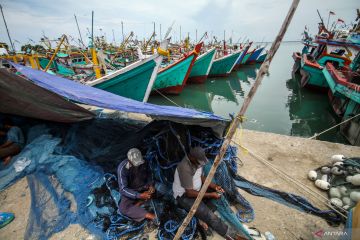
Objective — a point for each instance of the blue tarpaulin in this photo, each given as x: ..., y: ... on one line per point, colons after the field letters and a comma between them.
x: 80, y: 93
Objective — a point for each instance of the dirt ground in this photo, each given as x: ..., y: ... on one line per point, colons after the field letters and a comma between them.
x: 295, y: 156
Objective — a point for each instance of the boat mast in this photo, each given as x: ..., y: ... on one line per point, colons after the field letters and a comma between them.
x: 93, y: 50
x: 77, y: 24
x: 113, y: 37
x: 7, y: 30
x: 122, y: 30
x: 160, y: 33
x: 154, y: 31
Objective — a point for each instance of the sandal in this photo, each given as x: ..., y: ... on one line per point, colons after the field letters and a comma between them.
x: 5, y: 218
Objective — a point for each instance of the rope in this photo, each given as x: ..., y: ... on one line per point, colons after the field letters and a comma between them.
x: 167, y: 98
x: 171, y: 226
x: 299, y: 184
x: 318, y: 134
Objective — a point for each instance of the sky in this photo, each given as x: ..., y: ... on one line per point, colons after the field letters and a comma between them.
x: 257, y: 20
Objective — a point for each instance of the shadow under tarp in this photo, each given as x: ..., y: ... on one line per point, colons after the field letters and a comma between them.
x: 73, y: 158
x: 21, y: 97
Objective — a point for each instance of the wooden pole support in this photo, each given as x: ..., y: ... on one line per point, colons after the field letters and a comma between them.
x: 263, y: 70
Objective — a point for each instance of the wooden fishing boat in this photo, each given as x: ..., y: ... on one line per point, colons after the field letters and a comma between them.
x: 172, y: 79
x: 202, y: 66
x: 243, y: 54
x: 261, y: 58
x: 339, y: 53
x: 247, y: 56
x: 59, y: 68
x: 134, y: 81
x: 344, y: 96
x: 252, y: 59
x: 223, y: 66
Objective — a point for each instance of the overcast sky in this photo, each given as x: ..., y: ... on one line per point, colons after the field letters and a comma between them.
x: 255, y: 19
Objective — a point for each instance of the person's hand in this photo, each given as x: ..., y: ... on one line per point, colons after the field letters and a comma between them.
x: 151, y: 189
x: 215, y: 195
x: 219, y: 189
x: 145, y: 195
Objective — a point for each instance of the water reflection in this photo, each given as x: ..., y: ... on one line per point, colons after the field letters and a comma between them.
x: 310, y: 113
x: 279, y: 105
x: 219, y: 95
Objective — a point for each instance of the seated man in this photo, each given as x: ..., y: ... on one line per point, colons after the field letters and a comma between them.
x: 135, y: 186
x: 14, y: 141
x: 188, y: 180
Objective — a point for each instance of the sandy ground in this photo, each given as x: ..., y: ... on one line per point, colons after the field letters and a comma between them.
x: 295, y: 156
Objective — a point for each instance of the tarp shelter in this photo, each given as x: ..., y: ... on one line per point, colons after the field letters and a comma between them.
x: 79, y: 93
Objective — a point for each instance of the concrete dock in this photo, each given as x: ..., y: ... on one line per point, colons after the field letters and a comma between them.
x: 294, y: 155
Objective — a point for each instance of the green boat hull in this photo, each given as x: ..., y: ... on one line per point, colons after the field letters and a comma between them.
x: 174, y: 75
x: 339, y: 90
x: 262, y: 58
x: 313, y: 77
x: 60, y: 69
x: 224, y: 66
x: 131, y: 84
x: 200, y: 70
x: 247, y: 56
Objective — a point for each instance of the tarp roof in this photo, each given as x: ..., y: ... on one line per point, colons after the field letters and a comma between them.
x: 19, y: 96
x: 80, y: 93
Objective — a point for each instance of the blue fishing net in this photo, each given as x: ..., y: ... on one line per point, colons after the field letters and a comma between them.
x: 72, y: 174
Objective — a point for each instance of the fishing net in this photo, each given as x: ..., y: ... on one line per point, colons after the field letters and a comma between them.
x: 72, y: 178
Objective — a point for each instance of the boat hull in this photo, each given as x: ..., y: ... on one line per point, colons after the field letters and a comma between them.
x: 313, y: 78
x: 243, y: 54
x: 59, y: 68
x: 245, y: 59
x: 223, y: 67
x: 262, y: 58
x: 252, y: 59
x: 201, y: 68
x: 297, y: 63
x: 351, y: 129
x: 198, y: 79
x: 131, y: 84
x: 172, y: 79
x: 344, y: 97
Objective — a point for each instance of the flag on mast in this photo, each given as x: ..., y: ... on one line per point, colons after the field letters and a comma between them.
x: 331, y: 13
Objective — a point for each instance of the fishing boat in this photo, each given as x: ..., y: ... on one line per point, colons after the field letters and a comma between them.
x: 339, y: 53
x: 223, y: 66
x: 172, y: 79
x: 247, y: 56
x: 243, y: 54
x: 252, y: 59
x: 261, y: 58
x: 56, y: 67
x: 202, y: 66
x: 309, y: 48
x: 134, y: 81
x: 344, y: 96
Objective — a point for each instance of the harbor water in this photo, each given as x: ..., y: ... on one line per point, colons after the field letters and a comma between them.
x: 279, y: 106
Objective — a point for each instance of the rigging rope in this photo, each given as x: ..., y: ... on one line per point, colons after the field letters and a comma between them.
x: 318, y: 134
x: 167, y: 98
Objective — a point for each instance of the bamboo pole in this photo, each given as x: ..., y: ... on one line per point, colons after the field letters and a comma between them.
x: 54, y: 55
x: 239, y: 118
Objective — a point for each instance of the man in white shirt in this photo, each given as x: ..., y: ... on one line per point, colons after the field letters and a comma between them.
x: 188, y: 180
